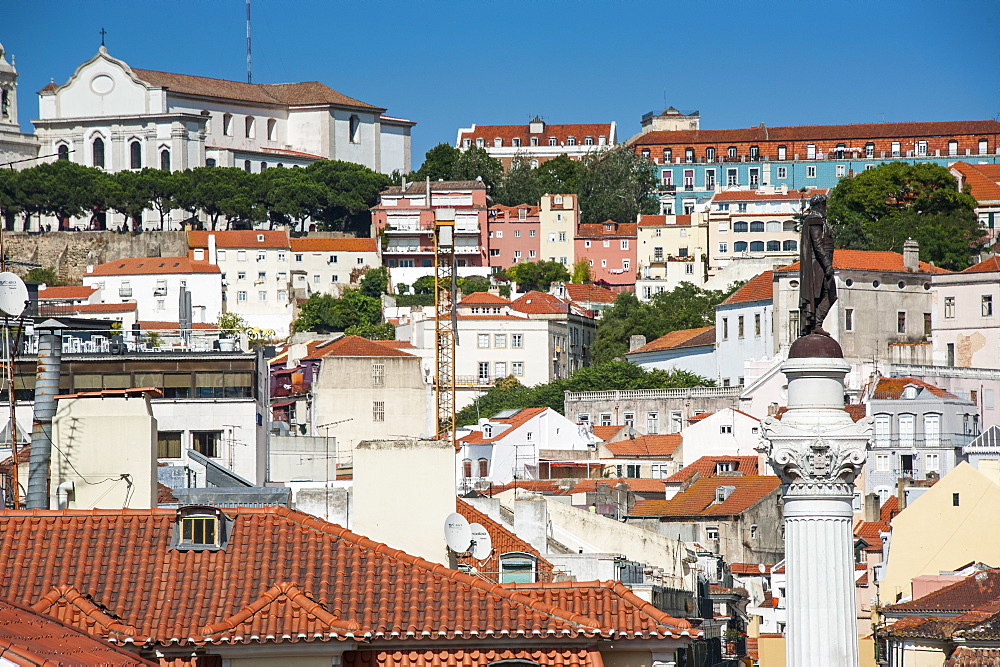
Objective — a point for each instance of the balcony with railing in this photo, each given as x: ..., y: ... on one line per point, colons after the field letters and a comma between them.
x: 125, y: 292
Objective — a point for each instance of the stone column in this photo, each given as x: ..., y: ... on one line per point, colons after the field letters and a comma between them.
x: 818, y: 451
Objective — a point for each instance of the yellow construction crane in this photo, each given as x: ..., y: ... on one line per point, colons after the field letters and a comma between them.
x: 445, y: 329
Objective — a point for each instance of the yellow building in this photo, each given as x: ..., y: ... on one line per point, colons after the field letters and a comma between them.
x: 672, y: 249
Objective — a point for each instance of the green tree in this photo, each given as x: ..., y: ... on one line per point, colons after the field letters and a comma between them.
x: 880, y: 208
x: 560, y: 175
x: 423, y: 285
x: 11, y: 197
x: 126, y: 193
x: 289, y: 196
x: 473, y: 163
x: 160, y: 187
x: 581, y: 272
x: 325, y: 313
x: 615, y: 185
x: 537, y: 275
x: 375, y: 282
x: 473, y: 284
x: 349, y: 191
x: 214, y: 190
x: 685, y: 307
x: 519, y: 185
x: 47, y: 275
x: 439, y: 163
x: 63, y: 189
x: 384, y: 331
x: 232, y: 325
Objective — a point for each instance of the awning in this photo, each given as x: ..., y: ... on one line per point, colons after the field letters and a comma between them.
x: 282, y: 404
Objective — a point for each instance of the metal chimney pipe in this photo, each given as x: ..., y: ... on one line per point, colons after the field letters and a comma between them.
x: 46, y: 389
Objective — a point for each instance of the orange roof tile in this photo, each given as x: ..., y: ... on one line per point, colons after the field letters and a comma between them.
x: 484, y: 299
x: 474, y: 657
x: 561, y: 132
x: 520, y: 419
x: 663, y: 445
x: 504, y: 542
x: 652, y: 220
x: 698, y: 417
x: 757, y: 195
x: 288, y: 577
x: 869, y: 260
x: 356, y: 346
x: 749, y: 568
x: 758, y: 288
x: 28, y: 637
x: 988, y: 265
x: 618, y: 229
x: 532, y: 210
x: 983, y: 180
x: 707, y: 466
x: 240, y: 239
x: 313, y: 244
x: 605, y: 433
x: 142, y: 266
x: 87, y: 308
x: 67, y: 292
x: 291, y: 94
x: 758, y: 134
x: 679, y: 339
x: 891, y: 389
x: 535, y: 302
x: 589, y: 293
x: 699, y: 498
x: 557, y: 487
x: 152, y: 392
x: 965, y: 595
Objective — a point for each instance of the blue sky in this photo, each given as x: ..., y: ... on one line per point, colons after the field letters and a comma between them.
x: 448, y: 64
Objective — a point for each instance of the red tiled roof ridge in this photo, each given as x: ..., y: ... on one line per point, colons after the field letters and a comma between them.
x: 295, y: 595
x: 355, y: 346
x: 678, y: 338
x: 758, y: 288
x: 74, y: 598
x: 869, y: 260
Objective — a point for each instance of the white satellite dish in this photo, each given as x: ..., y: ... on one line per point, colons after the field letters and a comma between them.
x: 457, y: 533
x: 482, y: 545
x: 13, y: 294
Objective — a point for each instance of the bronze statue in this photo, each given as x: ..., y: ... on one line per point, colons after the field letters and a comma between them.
x: 817, y: 286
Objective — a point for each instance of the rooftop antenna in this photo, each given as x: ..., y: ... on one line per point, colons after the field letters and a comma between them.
x: 249, y: 72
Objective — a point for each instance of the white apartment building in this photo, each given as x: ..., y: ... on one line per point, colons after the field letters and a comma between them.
x: 330, y: 265
x: 728, y: 432
x: 744, y: 329
x: 256, y: 274
x: 154, y: 284
x: 671, y: 250
x: 558, y: 217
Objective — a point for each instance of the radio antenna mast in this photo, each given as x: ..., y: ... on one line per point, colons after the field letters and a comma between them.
x: 249, y: 71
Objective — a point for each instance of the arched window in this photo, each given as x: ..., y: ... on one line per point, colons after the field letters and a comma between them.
x: 165, y: 160
x: 227, y: 124
x: 788, y: 226
x: 63, y: 152
x: 355, y: 129
x: 984, y: 146
x: 756, y: 226
x: 774, y: 225
x: 645, y: 153
x: 710, y: 153
x: 870, y: 150
x: 756, y: 246
x: 841, y: 148
x: 668, y: 154
x: 251, y: 127
x: 246, y: 165
x: 272, y: 129
x: 263, y: 166
x: 280, y: 165
x: 952, y: 147
x: 135, y: 155
x: 790, y: 246
x: 740, y: 246
x: 210, y: 162
x: 773, y: 246
x: 782, y: 152
x: 466, y: 467
x: 754, y: 152
x: 739, y: 227
x: 689, y: 155
x: 484, y: 468
x: 98, y: 152
x: 732, y: 152
x: 497, y: 142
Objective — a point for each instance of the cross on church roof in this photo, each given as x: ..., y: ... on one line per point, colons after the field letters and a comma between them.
x: 103, y: 33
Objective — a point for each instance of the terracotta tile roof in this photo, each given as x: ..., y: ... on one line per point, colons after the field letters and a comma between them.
x: 652, y: 220
x: 535, y: 302
x: 420, y: 187
x: 152, y: 392
x: 600, y: 230
x: 679, y: 339
x: 164, y: 494
x: 283, y: 576
x: 605, y: 433
x: 67, y: 292
x: 142, y: 266
x: 973, y: 656
x: 988, y: 265
x: 28, y: 637
x: 475, y: 657
x: 699, y: 498
x: 520, y: 419
x: 588, y: 293
x: 983, y: 180
x: 869, y: 260
x: 961, y: 596
x: 556, y: 487
x: 561, y: 132
x: 819, y: 132
x: 646, y: 445
x: 891, y: 389
x: 333, y: 245
x: 757, y: 195
x: 512, y: 211
x: 698, y: 417
x: 758, y: 288
x: 484, y: 299
x: 240, y: 239
x: 397, y: 344
x: 707, y: 466
x: 87, y: 308
x: 311, y: 346
x: 504, y: 542
x: 290, y: 94
x: 281, y: 151
x: 749, y: 568
x: 356, y: 346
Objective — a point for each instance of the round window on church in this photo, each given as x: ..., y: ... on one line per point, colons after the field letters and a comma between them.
x: 102, y: 84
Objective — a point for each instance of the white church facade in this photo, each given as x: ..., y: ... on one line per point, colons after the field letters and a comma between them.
x: 114, y: 117
x: 16, y: 148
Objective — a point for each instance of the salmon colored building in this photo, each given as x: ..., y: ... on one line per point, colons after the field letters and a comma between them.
x: 514, y: 233
x: 610, y: 249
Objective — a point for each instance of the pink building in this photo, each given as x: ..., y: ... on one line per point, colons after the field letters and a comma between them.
x: 513, y: 235
x: 406, y: 217
x: 610, y: 248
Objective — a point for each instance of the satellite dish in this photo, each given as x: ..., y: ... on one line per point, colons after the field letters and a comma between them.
x: 457, y: 533
x: 13, y: 294
x: 482, y: 545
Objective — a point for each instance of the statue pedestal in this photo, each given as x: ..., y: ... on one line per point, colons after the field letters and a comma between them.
x: 818, y: 450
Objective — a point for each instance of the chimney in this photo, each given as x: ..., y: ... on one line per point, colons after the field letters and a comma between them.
x: 211, y: 249
x: 635, y: 342
x: 873, y: 509
x: 531, y: 522
x: 911, y: 256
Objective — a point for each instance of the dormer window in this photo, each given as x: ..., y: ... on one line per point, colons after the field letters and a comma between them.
x: 516, y: 142
x: 487, y: 431
x: 498, y: 142
x: 201, y: 528
x: 260, y: 238
x: 910, y: 392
